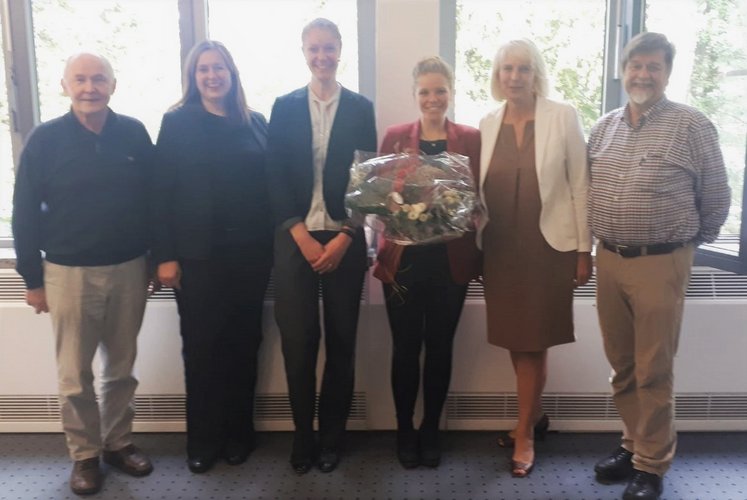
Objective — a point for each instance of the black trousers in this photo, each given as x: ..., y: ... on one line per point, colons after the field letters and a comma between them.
x: 423, y: 309
x: 220, y: 310
x: 297, y: 289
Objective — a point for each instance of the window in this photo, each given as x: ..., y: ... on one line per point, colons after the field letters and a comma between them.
x: 570, y: 35
x: 145, y: 41
x: 710, y: 74
x: 140, y: 38
x: 6, y: 155
x: 267, y: 50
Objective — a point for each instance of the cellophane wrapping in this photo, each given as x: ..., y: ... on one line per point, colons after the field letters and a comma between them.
x: 414, y: 199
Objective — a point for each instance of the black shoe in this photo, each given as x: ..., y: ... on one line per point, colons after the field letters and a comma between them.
x: 237, y: 457
x: 304, y: 450
x: 616, y: 467
x: 407, y: 448
x: 329, y: 458
x: 430, y: 447
x: 237, y: 454
x: 86, y: 477
x: 301, y: 466
x: 198, y: 464
x: 643, y: 486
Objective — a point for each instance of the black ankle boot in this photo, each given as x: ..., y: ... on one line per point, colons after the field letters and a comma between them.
x: 430, y: 447
x: 407, y: 448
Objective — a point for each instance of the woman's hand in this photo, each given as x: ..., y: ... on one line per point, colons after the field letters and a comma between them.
x: 170, y: 274
x: 334, y: 251
x: 311, y: 249
x: 584, y: 269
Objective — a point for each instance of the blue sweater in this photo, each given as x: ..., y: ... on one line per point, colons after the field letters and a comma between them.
x: 81, y: 197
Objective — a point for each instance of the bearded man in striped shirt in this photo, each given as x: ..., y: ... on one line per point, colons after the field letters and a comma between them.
x: 658, y: 190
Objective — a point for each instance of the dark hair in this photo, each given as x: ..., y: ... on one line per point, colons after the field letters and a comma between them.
x: 322, y: 24
x: 646, y: 43
x: 236, y: 107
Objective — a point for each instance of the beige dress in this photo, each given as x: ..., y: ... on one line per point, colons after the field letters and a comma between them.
x: 528, y: 284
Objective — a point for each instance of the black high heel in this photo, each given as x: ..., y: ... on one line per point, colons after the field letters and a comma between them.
x: 506, y: 440
x: 541, y: 427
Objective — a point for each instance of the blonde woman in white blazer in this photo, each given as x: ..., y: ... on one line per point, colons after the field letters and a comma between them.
x: 535, y: 238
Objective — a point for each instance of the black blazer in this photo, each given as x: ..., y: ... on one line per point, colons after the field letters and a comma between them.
x: 290, y: 163
x: 188, y: 150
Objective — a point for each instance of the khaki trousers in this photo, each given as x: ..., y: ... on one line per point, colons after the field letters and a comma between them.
x: 94, y: 308
x: 640, y: 302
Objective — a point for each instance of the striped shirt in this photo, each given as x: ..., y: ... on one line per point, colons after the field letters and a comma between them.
x: 662, y: 181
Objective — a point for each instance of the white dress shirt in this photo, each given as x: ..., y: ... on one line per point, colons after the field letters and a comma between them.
x: 322, y: 117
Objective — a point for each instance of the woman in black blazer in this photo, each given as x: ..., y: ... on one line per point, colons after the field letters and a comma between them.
x: 314, y: 132
x: 213, y: 245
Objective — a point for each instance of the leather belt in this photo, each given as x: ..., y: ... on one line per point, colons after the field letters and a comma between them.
x: 628, y: 251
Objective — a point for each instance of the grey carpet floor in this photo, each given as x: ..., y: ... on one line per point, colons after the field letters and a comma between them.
x: 708, y: 466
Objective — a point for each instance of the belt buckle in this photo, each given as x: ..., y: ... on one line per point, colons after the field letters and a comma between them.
x: 619, y: 249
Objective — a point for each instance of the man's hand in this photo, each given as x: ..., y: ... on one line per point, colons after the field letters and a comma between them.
x: 170, y: 274
x: 584, y: 269
x: 37, y: 298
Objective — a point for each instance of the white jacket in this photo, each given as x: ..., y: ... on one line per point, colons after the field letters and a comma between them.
x: 562, y: 173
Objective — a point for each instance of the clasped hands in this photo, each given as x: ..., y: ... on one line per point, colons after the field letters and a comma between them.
x: 323, y: 259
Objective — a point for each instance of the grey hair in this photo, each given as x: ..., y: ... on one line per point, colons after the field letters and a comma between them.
x: 104, y: 62
x: 523, y: 48
x: 646, y: 43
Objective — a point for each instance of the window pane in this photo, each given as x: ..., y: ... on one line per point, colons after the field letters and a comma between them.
x: 139, y: 37
x: 569, y: 34
x: 6, y: 155
x: 710, y: 74
x: 267, y: 50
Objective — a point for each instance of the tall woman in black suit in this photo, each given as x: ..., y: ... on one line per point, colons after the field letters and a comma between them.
x: 313, y: 133
x: 213, y: 245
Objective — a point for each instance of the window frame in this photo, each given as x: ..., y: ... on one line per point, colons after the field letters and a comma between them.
x: 624, y: 20
x: 20, y: 61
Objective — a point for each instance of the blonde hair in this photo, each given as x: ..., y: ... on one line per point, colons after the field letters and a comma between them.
x: 525, y: 49
x: 433, y: 64
x: 321, y: 23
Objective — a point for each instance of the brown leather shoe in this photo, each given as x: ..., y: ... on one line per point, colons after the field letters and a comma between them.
x: 86, y: 478
x: 129, y: 460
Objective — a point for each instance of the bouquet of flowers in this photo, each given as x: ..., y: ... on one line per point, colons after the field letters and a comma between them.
x: 414, y: 199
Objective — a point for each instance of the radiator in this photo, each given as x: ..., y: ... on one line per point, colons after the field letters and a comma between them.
x: 710, y: 373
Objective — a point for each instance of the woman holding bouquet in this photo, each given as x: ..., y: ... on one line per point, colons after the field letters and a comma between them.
x: 425, y: 286
x: 535, y: 238
x: 313, y: 134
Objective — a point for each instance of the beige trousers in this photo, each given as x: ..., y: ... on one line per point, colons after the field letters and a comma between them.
x: 92, y: 308
x: 640, y: 302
